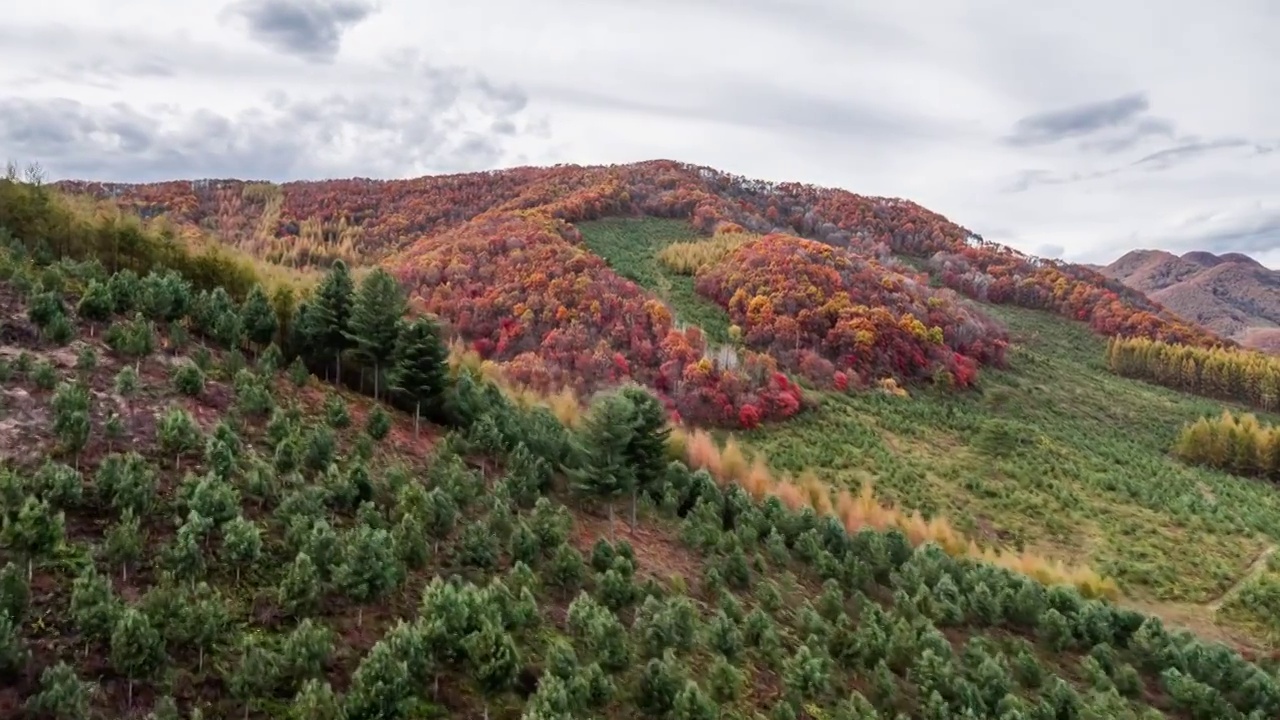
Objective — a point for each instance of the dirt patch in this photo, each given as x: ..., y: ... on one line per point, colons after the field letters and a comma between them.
x: 659, y: 553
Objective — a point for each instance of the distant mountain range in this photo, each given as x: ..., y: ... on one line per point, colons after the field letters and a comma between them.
x: 1231, y: 294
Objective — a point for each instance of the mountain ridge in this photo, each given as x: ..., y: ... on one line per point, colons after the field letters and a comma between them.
x: 1232, y: 294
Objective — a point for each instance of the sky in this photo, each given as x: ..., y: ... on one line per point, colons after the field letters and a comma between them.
x: 1079, y: 130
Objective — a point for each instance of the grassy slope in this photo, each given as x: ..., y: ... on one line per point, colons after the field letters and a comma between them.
x: 630, y: 246
x: 1085, y: 476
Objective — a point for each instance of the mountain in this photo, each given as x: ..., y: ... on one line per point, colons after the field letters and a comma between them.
x: 1231, y: 294
x: 498, y: 255
x: 950, y: 492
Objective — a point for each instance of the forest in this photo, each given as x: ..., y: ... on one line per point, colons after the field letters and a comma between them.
x: 823, y: 311
x: 197, y: 524
x: 497, y: 257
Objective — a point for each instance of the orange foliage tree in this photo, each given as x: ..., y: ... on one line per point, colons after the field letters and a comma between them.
x: 821, y: 310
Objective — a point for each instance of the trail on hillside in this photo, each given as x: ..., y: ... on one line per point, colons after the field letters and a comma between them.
x: 1255, y: 568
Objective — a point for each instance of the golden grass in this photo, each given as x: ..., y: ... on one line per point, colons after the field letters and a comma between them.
x: 687, y: 258
x: 731, y: 463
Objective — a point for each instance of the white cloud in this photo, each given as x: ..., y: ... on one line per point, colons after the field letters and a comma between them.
x: 1028, y: 123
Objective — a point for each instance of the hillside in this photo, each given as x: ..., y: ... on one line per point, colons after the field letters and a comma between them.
x: 497, y: 255
x: 196, y: 526
x: 1232, y: 294
x: 1054, y: 455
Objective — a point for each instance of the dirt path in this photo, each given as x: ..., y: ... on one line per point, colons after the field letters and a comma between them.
x: 1257, y: 567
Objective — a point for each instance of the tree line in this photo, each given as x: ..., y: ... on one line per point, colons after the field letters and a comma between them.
x: 1242, y: 376
x: 1239, y: 445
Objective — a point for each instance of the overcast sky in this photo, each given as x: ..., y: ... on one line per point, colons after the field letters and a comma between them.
x: 1079, y: 129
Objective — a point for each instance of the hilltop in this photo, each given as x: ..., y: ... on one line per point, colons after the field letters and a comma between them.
x: 1231, y: 294
x: 948, y: 494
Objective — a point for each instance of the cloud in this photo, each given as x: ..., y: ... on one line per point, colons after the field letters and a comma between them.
x: 1192, y: 148
x: 764, y: 106
x: 308, y: 29
x: 447, y: 124
x: 1252, y: 228
x: 1053, y: 126
x: 1040, y: 126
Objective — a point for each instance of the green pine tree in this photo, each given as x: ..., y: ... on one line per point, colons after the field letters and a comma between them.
x: 328, y: 315
x: 604, y: 470
x: 648, y: 449
x: 420, y: 368
x: 136, y: 647
x: 494, y: 661
x: 376, y: 317
x: 258, y: 317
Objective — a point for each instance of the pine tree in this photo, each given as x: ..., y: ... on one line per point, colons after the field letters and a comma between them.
x: 328, y: 315
x: 207, y: 620
x: 36, y: 530
x: 494, y: 661
x: 381, y: 687
x: 15, y: 592
x: 71, y: 416
x: 14, y: 653
x: 123, y: 542
x: 258, y: 318
x: 316, y: 701
x: 257, y: 672
x: 376, y: 317
x: 647, y: 451
x: 136, y: 647
x: 96, y: 303
x: 419, y: 368
x: 604, y: 470
x: 369, y: 568
x: 62, y: 694
x: 241, y: 542
x: 299, y: 592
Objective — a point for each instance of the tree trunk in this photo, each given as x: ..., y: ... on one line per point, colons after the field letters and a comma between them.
x: 417, y: 412
x: 635, y: 494
x: 377, y: 374
x: 613, y: 533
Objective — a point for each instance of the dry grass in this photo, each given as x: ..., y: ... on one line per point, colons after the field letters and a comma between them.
x: 687, y: 258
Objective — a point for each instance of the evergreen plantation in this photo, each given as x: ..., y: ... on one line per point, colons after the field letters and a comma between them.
x: 225, y: 499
